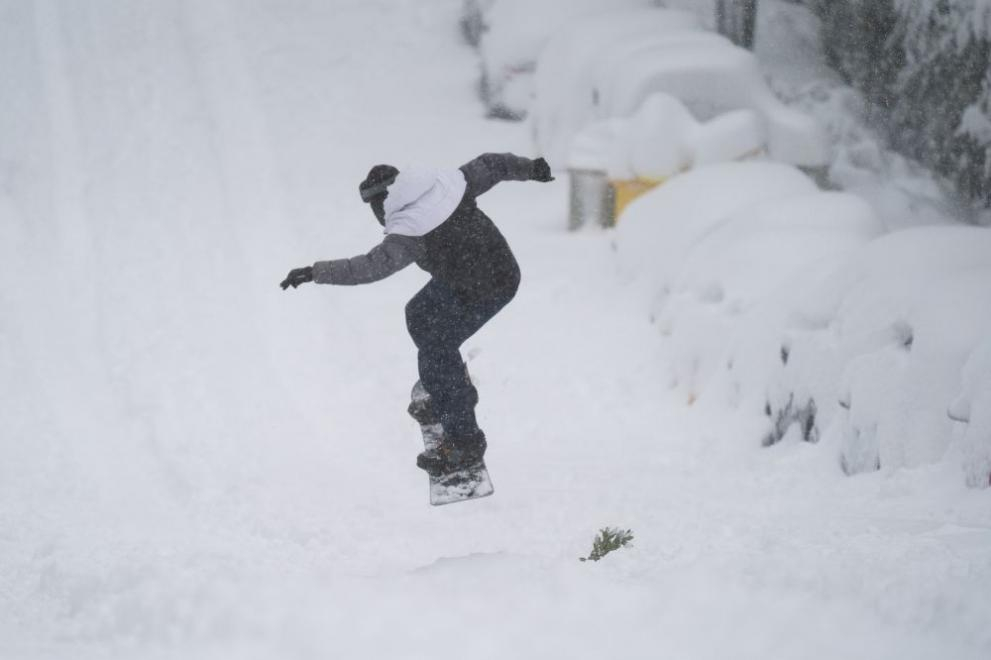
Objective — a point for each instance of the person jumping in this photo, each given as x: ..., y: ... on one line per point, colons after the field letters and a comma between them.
x: 431, y: 218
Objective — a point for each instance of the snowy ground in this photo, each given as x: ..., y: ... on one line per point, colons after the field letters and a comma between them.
x: 199, y: 465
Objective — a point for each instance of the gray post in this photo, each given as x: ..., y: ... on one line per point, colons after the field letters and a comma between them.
x: 591, y: 200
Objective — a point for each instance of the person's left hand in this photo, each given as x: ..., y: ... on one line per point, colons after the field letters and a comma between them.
x: 540, y: 171
x: 297, y: 276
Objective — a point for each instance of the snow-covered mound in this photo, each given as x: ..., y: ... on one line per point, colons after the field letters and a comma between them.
x: 660, y: 229
x: 884, y: 359
x: 791, y: 301
x: 607, y: 66
x: 763, y: 227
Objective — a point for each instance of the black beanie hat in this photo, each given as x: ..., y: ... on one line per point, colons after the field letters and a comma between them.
x: 378, y: 180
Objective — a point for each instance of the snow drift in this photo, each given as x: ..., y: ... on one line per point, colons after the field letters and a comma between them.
x: 792, y: 302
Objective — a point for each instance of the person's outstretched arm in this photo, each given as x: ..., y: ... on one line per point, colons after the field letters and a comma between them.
x: 388, y: 257
x: 489, y: 169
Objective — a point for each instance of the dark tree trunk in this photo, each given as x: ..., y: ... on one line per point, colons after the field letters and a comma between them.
x: 737, y: 20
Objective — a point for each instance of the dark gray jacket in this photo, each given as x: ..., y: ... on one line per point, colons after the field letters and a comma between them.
x: 466, y: 251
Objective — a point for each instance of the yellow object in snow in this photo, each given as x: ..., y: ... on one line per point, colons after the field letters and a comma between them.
x: 627, y: 190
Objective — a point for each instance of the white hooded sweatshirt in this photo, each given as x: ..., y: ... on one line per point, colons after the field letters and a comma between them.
x: 421, y: 198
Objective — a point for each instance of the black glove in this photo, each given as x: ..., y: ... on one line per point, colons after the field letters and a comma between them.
x: 540, y: 171
x: 297, y: 276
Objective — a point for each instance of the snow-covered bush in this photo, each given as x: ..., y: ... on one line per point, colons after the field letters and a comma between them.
x: 925, y: 66
x: 607, y: 67
x: 883, y: 360
x: 781, y: 300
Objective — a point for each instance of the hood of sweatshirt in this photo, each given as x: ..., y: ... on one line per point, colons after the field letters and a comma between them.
x: 421, y: 198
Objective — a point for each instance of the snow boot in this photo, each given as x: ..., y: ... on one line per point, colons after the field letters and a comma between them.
x: 453, y: 454
x: 421, y: 404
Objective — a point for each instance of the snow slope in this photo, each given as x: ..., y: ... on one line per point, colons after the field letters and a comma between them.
x: 196, y: 464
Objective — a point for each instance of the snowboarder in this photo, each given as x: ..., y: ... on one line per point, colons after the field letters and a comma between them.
x: 431, y: 218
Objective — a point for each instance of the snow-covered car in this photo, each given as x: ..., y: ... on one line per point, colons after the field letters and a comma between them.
x: 663, y: 139
x: 511, y: 35
x: 606, y: 67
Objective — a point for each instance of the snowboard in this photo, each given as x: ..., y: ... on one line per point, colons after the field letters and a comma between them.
x: 461, y: 485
